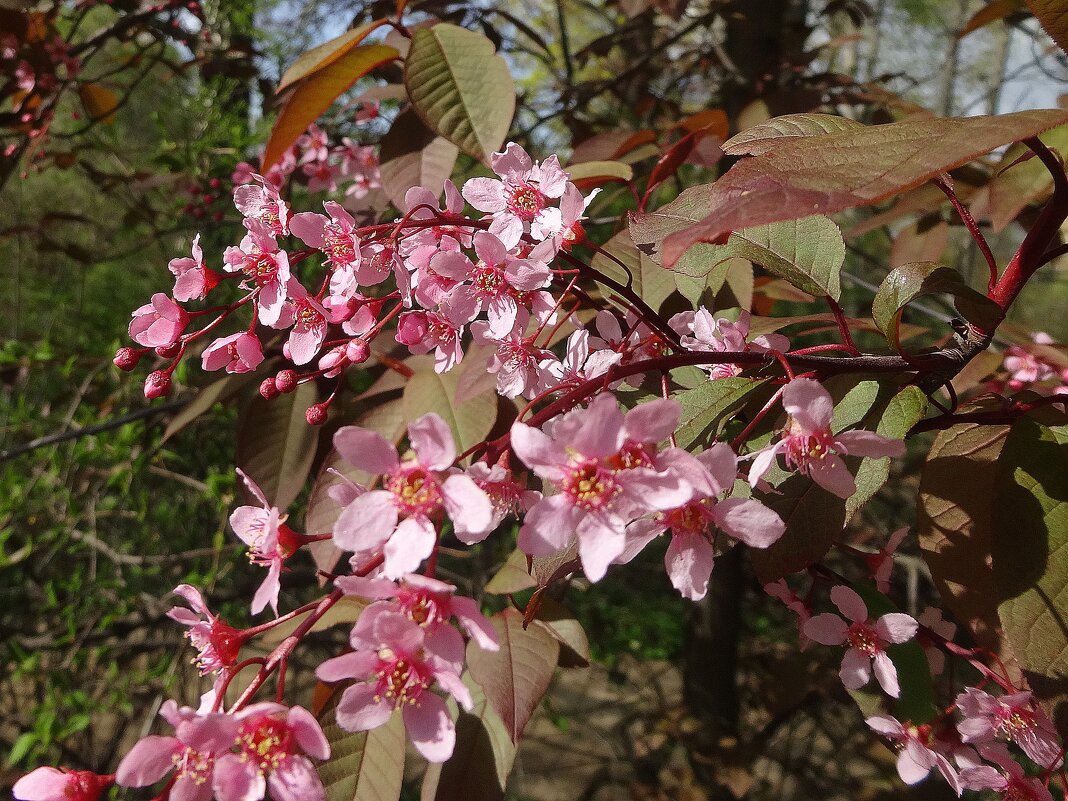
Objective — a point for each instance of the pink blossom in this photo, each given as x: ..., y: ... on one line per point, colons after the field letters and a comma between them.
x: 315, y: 144
x: 564, y: 224
x: 507, y: 495
x: 193, y: 280
x: 310, y: 320
x: 931, y: 618
x: 432, y: 287
x: 261, y: 201
x: 238, y: 353
x: 601, y: 465
x: 262, y: 528
x: 335, y: 235
x: 881, y: 563
x: 217, y: 642
x: 243, y: 173
x: 159, y: 323
x: 519, y: 200
x: 915, y: 757
x: 1012, y: 717
x: 427, y: 602
x: 794, y: 602
x: 1010, y: 782
x: 867, y: 640
x: 201, y: 739
x: 1026, y: 367
x: 811, y: 448
x: 400, y: 519
x: 52, y: 784
x: 578, y: 363
x: 689, y: 558
x: 454, y: 205
x: 265, y: 267
x: 702, y: 332
x: 273, y: 744
x: 423, y: 332
x: 515, y: 361
x: 395, y: 663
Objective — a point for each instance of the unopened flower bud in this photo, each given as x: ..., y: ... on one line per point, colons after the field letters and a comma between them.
x: 127, y: 358
x: 268, y: 389
x: 316, y: 415
x: 285, y: 381
x: 168, y: 351
x: 157, y: 385
x: 357, y: 351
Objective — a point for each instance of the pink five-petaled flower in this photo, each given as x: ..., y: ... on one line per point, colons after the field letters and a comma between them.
x: 427, y: 602
x: 881, y: 563
x: 690, y: 556
x: 53, y: 784
x: 396, y: 662
x: 270, y: 542
x: 867, y: 640
x: 600, y: 465
x: 1011, y: 782
x: 400, y: 519
x: 809, y: 446
x: 261, y: 201
x: 272, y: 741
x: 217, y: 642
x: 159, y: 323
x: 238, y: 353
x: 310, y: 320
x: 1012, y: 717
x: 193, y: 279
x: 335, y: 235
x: 192, y: 753
x: 521, y: 197
x: 915, y: 756
x: 701, y: 331
x: 264, y: 265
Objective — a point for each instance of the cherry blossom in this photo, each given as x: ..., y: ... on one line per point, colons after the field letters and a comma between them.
x: 265, y: 266
x: 262, y: 528
x: 1013, y: 717
x: 52, y: 784
x: 217, y: 642
x: 238, y: 353
x: 600, y: 485
x: 578, y: 363
x: 260, y: 201
x: 700, y: 331
x: 690, y: 556
x: 273, y: 746
x: 334, y: 235
x: 519, y: 200
x: 159, y: 323
x: 1009, y: 779
x: 193, y: 279
x: 810, y: 447
x: 915, y: 757
x: 515, y: 361
x: 423, y: 332
x: 427, y: 602
x: 401, y: 518
x: 200, y: 739
x: 395, y: 664
x: 867, y: 639
x: 310, y: 320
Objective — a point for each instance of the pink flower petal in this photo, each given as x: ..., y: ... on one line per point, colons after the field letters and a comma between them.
x: 430, y: 727
x: 826, y: 629
x: 411, y: 543
x: 367, y: 450
x: 600, y: 540
x: 886, y: 673
x: 308, y: 733
x: 868, y: 443
x: 832, y: 474
x: 856, y: 669
x: 147, y: 762
x: 689, y: 560
x: 359, y: 711
x: 366, y: 523
x: 913, y: 763
x: 808, y: 403
x: 485, y: 194
x: 896, y: 627
x: 549, y: 526
x: 236, y: 779
x: 653, y: 421
x: 476, y: 625
x: 849, y: 603
x: 356, y: 665
x: 749, y: 521
x: 468, y: 506
x: 538, y: 451
x: 432, y: 440
x: 296, y: 780
x: 43, y: 784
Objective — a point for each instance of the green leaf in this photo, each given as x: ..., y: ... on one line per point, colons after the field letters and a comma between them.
x: 364, y: 766
x: 649, y: 229
x: 598, y: 172
x: 955, y: 525
x: 310, y: 97
x: 903, y: 411
x: 860, y: 166
x: 648, y: 279
x: 515, y: 677
x: 470, y: 416
x: 769, y: 135
x: 707, y: 408
x: 512, y: 577
x: 908, y: 282
x: 276, y: 446
x: 482, y: 759
x: 413, y: 155
x: 555, y: 618
x: 324, y: 55
x: 1030, y: 553
x: 460, y: 87
x: 809, y: 252
x: 1017, y: 184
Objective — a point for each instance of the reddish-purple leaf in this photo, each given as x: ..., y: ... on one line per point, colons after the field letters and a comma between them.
x: 827, y: 173
x: 516, y: 677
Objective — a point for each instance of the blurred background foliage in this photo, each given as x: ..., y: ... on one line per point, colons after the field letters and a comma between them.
x: 96, y: 529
